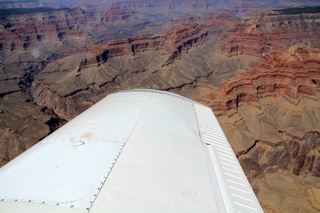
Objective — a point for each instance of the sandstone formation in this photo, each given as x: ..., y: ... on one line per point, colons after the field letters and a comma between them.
x: 270, y: 113
x: 99, y: 71
x: 22, y: 122
x: 179, y: 39
x: 293, y: 74
x: 127, y: 46
x: 25, y: 30
x: 34, y: 40
x: 36, y: 32
x: 259, y: 74
x: 39, y: 35
x: 266, y: 32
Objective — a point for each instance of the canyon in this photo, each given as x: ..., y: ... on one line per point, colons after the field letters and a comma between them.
x: 275, y: 91
x: 260, y: 73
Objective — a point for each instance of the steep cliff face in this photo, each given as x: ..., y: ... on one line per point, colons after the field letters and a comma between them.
x: 267, y: 32
x: 127, y: 46
x: 22, y: 125
x: 66, y: 83
x: 268, y: 103
x: 171, y: 60
x: 298, y: 155
x: 37, y: 34
x: 23, y: 31
x: 179, y: 38
x: 22, y: 122
x: 78, y: 66
x: 270, y: 113
x: 292, y: 74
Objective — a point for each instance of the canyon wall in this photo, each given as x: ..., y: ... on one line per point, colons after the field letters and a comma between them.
x: 293, y: 74
x: 96, y: 71
x: 80, y: 62
x: 290, y: 79
x: 266, y: 32
x: 23, y: 31
x: 260, y: 75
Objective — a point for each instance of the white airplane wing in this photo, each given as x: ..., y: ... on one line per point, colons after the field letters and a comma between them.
x: 134, y: 151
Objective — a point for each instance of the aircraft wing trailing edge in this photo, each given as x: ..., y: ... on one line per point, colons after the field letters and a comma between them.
x: 134, y: 151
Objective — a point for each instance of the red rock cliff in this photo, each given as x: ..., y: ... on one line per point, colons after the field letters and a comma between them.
x: 22, y: 31
x: 292, y: 74
x: 180, y: 38
x: 267, y: 32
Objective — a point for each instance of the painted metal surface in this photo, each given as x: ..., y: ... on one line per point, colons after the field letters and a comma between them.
x: 235, y: 189
x: 134, y: 151
x: 59, y: 173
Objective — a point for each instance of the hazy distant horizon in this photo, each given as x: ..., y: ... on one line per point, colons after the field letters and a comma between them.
x: 104, y: 3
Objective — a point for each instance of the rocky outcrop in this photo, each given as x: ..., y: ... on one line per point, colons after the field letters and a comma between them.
x: 299, y: 155
x: 268, y: 104
x: 99, y: 71
x: 24, y: 30
x: 127, y: 46
x: 179, y: 39
x: 23, y: 124
x: 267, y: 32
x: 115, y: 15
x: 270, y: 113
x: 35, y: 33
x: 40, y: 33
x: 182, y: 37
x: 292, y: 74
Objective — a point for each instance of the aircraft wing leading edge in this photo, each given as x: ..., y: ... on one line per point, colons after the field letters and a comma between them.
x: 134, y: 151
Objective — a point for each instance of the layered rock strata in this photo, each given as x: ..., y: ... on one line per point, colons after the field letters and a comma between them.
x: 293, y: 74
x: 274, y: 104
x: 180, y: 38
x: 23, y: 31
x: 270, y: 113
x: 269, y: 110
x: 267, y: 32
x: 100, y: 71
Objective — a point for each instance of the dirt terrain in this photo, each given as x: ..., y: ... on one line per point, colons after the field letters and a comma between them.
x: 258, y: 71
